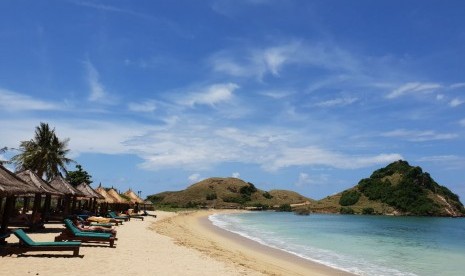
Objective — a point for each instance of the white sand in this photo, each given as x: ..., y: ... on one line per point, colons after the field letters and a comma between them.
x: 182, y: 244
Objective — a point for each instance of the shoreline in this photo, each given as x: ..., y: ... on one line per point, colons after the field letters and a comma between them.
x: 195, y: 230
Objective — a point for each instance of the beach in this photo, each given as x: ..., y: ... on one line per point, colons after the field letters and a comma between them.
x: 184, y: 243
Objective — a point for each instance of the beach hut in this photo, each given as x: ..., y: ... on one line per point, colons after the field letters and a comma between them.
x: 33, y: 179
x: 70, y: 193
x: 10, y: 187
x: 119, y: 199
x: 106, y: 197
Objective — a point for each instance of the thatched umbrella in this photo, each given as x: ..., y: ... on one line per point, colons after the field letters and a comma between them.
x: 33, y: 179
x: 90, y: 193
x: 133, y: 197
x: 106, y: 197
x: 11, y: 186
x: 119, y: 199
x: 60, y: 184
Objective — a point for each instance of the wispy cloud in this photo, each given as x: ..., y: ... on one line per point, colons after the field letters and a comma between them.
x: 147, y: 106
x: 419, y: 135
x: 456, y: 102
x: 13, y: 101
x: 193, y: 178
x: 236, y: 175
x: 97, y: 90
x: 413, y: 87
x: 211, y: 95
x: 337, y: 102
x: 108, y: 8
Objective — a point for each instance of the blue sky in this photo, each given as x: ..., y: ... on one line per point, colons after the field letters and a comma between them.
x: 310, y: 96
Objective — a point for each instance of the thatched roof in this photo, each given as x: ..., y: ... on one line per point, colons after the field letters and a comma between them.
x: 60, y: 184
x: 113, y: 193
x: 107, y: 198
x: 88, y: 191
x: 10, y: 184
x: 133, y: 197
x: 33, y: 179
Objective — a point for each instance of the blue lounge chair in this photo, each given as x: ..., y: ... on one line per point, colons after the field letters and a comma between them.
x: 72, y: 233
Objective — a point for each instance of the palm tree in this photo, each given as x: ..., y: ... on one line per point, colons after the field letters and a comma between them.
x: 45, y: 154
x: 3, y: 150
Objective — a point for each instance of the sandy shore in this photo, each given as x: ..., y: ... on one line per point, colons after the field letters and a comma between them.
x: 194, y: 230
x: 171, y: 244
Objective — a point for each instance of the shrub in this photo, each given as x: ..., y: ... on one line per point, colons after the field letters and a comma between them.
x: 349, y: 198
x: 285, y: 208
x: 248, y: 190
x: 368, y: 211
x: 212, y: 196
x: 267, y: 195
x: 346, y: 211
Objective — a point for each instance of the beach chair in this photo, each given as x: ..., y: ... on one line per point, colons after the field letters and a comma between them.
x: 72, y: 233
x: 134, y: 215
x: 26, y: 244
x: 114, y: 216
x: 85, y: 222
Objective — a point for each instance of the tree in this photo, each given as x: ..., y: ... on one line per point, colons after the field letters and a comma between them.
x: 45, y: 154
x: 79, y: 176
x: 3, y: 150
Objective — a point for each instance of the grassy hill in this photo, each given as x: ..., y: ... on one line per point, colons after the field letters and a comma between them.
x: 227, y: 193
x: 398, y: 189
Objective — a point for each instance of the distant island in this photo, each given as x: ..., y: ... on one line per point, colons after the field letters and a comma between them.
x: 397, y: 189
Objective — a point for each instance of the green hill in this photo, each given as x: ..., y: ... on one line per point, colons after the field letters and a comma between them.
x: 397, y: 189
x: 227, y: 193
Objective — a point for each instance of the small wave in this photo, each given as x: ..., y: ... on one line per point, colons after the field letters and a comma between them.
x: 233, y: 224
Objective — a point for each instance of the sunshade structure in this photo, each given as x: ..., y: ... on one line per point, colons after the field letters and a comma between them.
x: 60, y: 184
x: 106, y: 197
x: 113, y: 193
x: 33, y: 179
x: 91, y: 194
x: 133, y: 197
x: 10, y: 187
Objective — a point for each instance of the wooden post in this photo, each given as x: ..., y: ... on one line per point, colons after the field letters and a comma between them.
x: 37, y: 204
x: 46, y: 209
x: 26, y: 201
x: 9, y: 206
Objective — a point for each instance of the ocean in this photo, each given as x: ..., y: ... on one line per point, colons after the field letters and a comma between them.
x: 363, y: 245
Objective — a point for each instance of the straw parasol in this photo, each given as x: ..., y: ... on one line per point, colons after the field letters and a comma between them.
x: 133, y: 197
x: 88, y: 191
x: 106, y: 197
x: 32, y: 179
x: 11, y: 185
x: 113, y: 193
x: 60, y: 184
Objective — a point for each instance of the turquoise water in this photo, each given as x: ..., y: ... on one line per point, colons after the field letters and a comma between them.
x: 364, y: 245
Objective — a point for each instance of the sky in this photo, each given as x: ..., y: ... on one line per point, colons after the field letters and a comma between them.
x: 310, y: 96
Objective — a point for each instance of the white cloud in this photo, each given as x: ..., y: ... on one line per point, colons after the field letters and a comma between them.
x: 303, y: 180
x: 276, y: 94
x: 193, y: 178
x: 337, y: 102
x: 97, y: 90
x: 12, y: 101
x: 413, y: 87
x: 457, y: 85
x: 236, y: 175
x: 147, y: 106
x: 456, y: 102
x: 211, y: 95
x: 462, y: 122
x: 419, y: 135
x: 314, y: 156
x: 440, y: 97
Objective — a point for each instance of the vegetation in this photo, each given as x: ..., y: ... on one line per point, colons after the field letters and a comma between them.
x: 45, y: 154
x: 346, y: 211
x: 78, y: 176
x: 285, y: 208
x: 226, y: 193
x: 368, y: 211
x: 2, y: 151
x: 349, y: 198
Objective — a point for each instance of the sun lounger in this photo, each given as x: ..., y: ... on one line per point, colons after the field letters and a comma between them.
x: 26, y: 244
x: 72, y: 233
x: 85, y: 222
x: 114, y: 216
